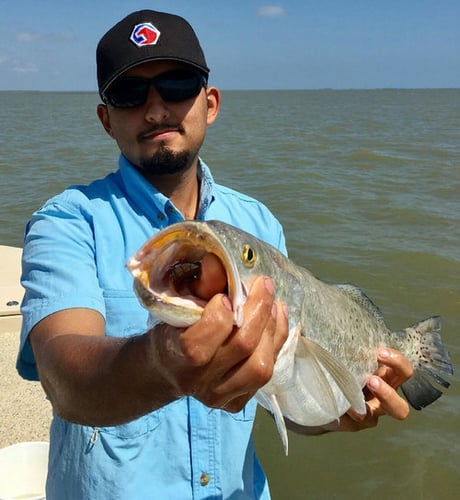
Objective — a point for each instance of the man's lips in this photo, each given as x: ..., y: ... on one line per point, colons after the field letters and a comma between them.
x: 159, y: 133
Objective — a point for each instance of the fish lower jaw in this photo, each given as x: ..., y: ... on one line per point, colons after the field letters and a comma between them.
x: 180, y: 313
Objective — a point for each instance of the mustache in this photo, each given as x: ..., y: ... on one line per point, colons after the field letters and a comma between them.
x: 158, y: 128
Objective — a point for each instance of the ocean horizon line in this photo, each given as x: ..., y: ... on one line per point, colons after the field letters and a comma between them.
x: 339, y: 89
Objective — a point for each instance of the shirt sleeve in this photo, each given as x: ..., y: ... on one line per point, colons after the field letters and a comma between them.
x: 58, y: 270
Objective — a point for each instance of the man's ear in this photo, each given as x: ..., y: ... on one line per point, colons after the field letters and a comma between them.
x: 103, y: 115
x: 213, y: 97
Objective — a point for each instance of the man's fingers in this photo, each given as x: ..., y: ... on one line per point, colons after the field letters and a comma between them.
x: 256, y: 367
x: 394, y: 367
x: 386, y: 400
x: 282, y: 326
x: 201, y: 341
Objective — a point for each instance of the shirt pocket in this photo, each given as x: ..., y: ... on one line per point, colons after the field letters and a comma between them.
x: 135, y: 428
x: 124, y: 316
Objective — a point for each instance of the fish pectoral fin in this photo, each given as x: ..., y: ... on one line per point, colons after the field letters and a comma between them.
x: 270, y: 402
x: 310, y: 372
x: 322, y: 361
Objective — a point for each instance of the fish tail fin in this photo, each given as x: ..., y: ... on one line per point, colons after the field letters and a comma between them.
x: 430, y: 360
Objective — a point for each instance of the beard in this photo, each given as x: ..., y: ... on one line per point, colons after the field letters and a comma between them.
x: 165, y: 162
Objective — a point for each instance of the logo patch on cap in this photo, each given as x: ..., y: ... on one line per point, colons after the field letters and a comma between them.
x: 145, y: 34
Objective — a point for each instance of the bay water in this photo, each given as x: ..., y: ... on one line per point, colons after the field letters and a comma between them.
x: 367, y: 186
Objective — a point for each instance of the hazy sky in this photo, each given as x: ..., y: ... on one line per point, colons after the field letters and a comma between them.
x: 50, y: 44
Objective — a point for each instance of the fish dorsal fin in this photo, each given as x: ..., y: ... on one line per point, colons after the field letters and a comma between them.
x: 344, y: 379
x: 358, y: 296
x: 271, y: 403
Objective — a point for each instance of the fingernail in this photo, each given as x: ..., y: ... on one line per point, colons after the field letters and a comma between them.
x: 374, y: 382
x: 285, y: 309
x: 269, y: 286
x: 274, y: 311
x: 384, y: 353
x: 227, y: 302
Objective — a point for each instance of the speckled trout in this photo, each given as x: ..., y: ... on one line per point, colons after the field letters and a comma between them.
x: 334, y: 329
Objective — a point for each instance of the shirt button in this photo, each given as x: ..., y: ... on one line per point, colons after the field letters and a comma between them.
x: 161, y: 216
x: 204, y: 479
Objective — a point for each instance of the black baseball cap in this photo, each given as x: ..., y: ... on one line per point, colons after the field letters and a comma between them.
x: 143, y: 36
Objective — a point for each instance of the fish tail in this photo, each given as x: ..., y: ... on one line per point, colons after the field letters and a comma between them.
x: 423, y: 346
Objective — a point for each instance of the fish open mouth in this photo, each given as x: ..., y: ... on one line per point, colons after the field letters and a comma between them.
x: 181, y: 276
x: 167, y: 266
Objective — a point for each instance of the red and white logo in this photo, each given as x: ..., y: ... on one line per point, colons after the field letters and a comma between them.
x: 145, y: 34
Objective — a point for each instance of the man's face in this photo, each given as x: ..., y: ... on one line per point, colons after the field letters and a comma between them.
x: 161, y: 137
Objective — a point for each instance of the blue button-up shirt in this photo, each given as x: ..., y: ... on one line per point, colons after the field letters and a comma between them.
x: 74, y: 254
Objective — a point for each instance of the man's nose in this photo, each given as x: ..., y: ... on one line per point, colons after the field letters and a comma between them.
x: 156, y: 109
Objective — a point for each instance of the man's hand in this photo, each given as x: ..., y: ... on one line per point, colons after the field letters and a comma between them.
x: 381, y: 393
x: 216, y: 362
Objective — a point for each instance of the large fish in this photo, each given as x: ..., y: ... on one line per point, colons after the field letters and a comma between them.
x: 334, y: 329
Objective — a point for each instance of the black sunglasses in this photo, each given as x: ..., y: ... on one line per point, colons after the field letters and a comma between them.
x: 173, y: 86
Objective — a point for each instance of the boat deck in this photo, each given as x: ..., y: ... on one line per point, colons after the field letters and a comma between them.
x: 11, y: 291
x: 25, y: 413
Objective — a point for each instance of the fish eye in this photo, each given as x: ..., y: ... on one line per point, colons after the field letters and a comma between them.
x: 249, y: 256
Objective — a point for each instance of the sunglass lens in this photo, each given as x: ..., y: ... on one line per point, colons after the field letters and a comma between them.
x: 173, y: 86
x: 178, y: 86
x: 128, y: 92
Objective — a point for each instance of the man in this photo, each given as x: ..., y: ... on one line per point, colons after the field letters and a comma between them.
x: 132, y: 408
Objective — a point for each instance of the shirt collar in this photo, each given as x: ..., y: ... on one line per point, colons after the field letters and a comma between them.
x: 153, y: 204
x: 206, y: 190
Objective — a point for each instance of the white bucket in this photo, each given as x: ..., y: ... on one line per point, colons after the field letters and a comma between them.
x: 23, y: 470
